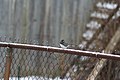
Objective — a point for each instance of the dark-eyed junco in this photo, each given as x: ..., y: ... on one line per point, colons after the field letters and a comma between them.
x: 63, y: 44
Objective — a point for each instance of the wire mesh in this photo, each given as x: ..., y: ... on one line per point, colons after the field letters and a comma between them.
x: 36, y: 63
x: 28, y: 64
x: 2, y: 61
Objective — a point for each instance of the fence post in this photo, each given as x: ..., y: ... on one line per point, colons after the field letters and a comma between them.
x: 8, y: 63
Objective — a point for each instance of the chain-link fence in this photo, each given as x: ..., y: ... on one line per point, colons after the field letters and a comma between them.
x: 35, y: 62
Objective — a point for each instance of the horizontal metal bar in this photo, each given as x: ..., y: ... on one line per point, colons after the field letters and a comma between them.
x: 60, y: 50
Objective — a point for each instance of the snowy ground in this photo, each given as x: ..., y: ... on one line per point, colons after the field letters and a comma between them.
x: 106, y: 5
x: 35, y: 78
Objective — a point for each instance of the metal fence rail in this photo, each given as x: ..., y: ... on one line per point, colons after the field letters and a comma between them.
x: 46, y: 62
x: 60, y: 50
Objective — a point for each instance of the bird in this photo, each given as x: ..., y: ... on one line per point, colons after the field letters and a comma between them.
x: 63, y: 44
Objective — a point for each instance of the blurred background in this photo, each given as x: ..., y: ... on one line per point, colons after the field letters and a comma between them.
x: 91, y: 25
x: 45, y: 20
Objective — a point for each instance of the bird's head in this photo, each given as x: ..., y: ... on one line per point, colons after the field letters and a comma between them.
x: 62, y: 41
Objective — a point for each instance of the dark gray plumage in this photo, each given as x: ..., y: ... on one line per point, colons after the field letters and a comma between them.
x: 63, y: 44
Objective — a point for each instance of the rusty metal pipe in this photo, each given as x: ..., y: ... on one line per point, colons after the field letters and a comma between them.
x: 60, y: 50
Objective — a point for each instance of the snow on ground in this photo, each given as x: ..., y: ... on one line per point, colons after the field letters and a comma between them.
x: 84, y: 58
x: 93, y: 25
x: 36, y: 78
x: 100, y: 15
x: 117, y: 14
x: 71, y: 71
x: 106, y: 5
x: 82, y: 45
x: 88, y: 34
